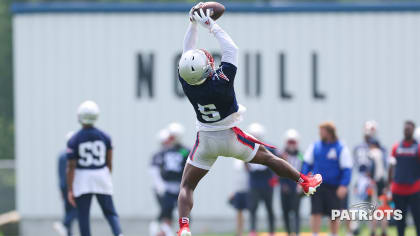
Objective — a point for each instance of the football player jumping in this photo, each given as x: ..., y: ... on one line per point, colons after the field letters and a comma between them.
x: 211, y: 92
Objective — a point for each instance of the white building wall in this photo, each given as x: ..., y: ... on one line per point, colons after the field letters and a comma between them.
x: 368, y: 68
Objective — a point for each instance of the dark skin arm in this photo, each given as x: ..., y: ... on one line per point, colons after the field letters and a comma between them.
x: 71, y: 166
x: 391, y: 169
x: 283, y: 155
x: 109, y: 159
x: 390, y: 174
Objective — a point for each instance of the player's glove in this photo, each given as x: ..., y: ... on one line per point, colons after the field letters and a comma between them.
x: 204, y: 19
x: 191, y: 13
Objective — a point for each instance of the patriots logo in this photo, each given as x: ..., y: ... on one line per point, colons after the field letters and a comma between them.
x: 332, y: 154
x: 367, y: 207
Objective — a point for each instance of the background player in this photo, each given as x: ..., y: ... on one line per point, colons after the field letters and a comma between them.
x: 290, y: 192
x: 261, y: 183
x: 89, y: 170
x: 404, y: 176
x: 239, y: 197
x: 70, y: 212
x: 211, y: 93
x: 370, y: 162
x: 332, y: 159
x: 166, y: 169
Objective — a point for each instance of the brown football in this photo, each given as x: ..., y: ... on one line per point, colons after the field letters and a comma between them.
x: 216, y: 9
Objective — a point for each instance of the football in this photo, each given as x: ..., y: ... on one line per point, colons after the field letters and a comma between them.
x: 216, y: 9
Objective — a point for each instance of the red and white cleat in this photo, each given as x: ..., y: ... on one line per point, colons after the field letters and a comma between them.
x: 310, y: 183
x: 184, y: 231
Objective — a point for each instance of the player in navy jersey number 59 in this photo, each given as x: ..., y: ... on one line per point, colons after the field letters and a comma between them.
x: 211, y: 93
x: 89, y: 152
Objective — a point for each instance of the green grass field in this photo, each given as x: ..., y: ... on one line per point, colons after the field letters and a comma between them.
x: 392, y: 231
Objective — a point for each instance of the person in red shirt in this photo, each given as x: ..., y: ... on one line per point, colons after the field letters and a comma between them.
x: 404, y: 177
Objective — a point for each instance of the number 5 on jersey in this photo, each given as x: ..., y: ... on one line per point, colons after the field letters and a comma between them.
x: 209, y: 112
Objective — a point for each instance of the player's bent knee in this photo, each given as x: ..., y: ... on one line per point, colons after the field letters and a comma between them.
x: 187, y: 186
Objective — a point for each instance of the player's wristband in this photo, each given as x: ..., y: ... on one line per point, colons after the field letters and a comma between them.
x: 215, y: 28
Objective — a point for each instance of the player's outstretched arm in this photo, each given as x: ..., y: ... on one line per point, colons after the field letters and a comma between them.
x: 191, y: 36
x: 229, y: 48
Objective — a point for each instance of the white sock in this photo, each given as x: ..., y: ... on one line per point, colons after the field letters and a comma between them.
x: 153, y: 228
x: 166, y: 229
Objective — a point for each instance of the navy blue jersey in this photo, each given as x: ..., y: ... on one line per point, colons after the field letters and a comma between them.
x: 407, y: 169
x: 89, y: 147
x: 171, y: 162
x: 214, y: 99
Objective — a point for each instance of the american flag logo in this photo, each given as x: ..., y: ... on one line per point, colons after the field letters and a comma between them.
x: 221, y: 75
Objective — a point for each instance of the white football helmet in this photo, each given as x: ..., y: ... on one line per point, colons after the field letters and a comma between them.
x: 256, y: 130
x: 88, y: 113
x: 291, y: 134
x: 163, y: 135
x: 195, y: 66
x: 370, y: 128
x: 176, y: 130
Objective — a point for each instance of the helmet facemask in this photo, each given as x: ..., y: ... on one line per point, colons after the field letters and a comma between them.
x: 209, y: 71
